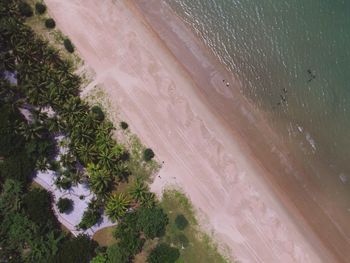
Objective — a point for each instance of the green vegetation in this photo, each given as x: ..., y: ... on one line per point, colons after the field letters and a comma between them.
x: 97, y: 113
x: 77, y: 249
x: 194, y: 246
x: 25, y: 9
x: 181, y: 222
x: 40, y: 8
x: 28, y: 227
x: 50, y: 23
x: 163, y: 253
x: 64, y: 205
x: 117, y: 206
x: 124, y: 125
x: 91, y: 215
x: 68, y: 45
x: 152, y: 221
x: 148, y: 154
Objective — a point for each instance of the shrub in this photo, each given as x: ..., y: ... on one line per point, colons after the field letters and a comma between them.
x: 90, y: 218
x: 64, y: 183
x: 97, y: 113
x: 128, y: 235
x: 163, y: 253
x: 76, y: 250
x: 25, y: 9
x: 181, y: 222
x: 148, y: 154
x: 68, y: 45
x: 64, y: 205
x: 100, y: 258
x: 40, y: 8
x: 117, y: 254
x: 124, y: 125
x: 152, y: 221
x: 50, y: 23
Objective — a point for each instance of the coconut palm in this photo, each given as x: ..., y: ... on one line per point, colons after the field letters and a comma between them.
x: 106, y: 158
x: 99, y: 179
x: 31, y: 131
x: 86, y: 152
x: 139, y: 190
x: 117, y: 206
x: 42, y: 164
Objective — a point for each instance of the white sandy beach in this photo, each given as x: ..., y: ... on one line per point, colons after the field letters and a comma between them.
x: 157, y: 97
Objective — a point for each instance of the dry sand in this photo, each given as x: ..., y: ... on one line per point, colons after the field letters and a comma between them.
x: 160, y: 100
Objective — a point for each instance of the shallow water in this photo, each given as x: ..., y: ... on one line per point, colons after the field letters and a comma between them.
x: 292, y: 58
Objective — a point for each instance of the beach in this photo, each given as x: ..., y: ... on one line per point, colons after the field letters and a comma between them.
x: 170, y: 95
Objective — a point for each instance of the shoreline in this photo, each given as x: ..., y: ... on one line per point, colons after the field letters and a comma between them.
x: 160, y: 99
x: 305, y: 201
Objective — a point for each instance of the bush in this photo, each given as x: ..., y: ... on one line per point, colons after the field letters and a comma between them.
x: 163, y: 253
x: 97, y: 113
x: 117, y: 254
x: 64, y: 205
x: 90, y: 218
x: 76, y: 250
x: 124, y: 125
x: 148, y: 154
x: 128, y: 236
x: 68, y: 45
x: 25, y: 9
x: 152, y: 221
x: 50, y: 23
x: 181, y: 222
x: 40, y: 8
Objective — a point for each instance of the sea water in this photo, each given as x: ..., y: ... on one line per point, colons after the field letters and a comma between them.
x: 293, y: 59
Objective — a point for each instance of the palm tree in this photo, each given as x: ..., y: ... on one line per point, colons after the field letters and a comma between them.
x: 106, y: 158
x: 117, y: 206
x: 99, y: 179
x: 86, y: 152
x: 31, y: 131
x: 139, y: 191
x: 141, y: 194
x: 42, y: 164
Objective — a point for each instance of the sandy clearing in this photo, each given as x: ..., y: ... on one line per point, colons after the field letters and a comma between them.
x: 158, y: 99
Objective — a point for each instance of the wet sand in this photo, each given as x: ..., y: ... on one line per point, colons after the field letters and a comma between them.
x: 210, y: 138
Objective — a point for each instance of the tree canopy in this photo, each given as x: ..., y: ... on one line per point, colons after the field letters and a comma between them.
x: 163, y: 253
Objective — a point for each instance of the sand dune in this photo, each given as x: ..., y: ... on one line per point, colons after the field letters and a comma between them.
x: 159, y: 99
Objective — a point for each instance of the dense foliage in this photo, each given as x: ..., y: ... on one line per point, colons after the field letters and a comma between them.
x: 40, y: 8
x: 148, y: 154
x: 64, y: 205
x: 181, y: 222
x: 37, y: 206
x: 163, y: 253
x: 124, y: 125
x: 68, y: 45
x: 28, y: 229
x: 50, y: 23
x: 152, y: 221
x: 25, y: 9
x: 80, y: 249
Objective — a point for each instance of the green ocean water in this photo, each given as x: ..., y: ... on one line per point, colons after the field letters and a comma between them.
x: 293, y: 58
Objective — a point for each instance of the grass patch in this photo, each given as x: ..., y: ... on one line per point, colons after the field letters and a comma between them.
x: 194, y: 246
x: 104, y: 236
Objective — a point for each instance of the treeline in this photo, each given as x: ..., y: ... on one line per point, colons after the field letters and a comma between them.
x: 29, y: 231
